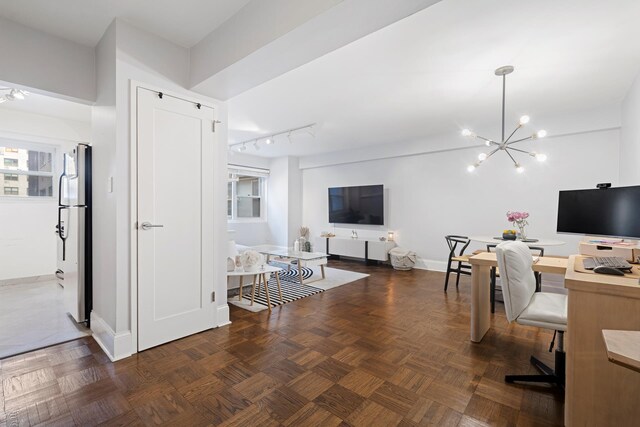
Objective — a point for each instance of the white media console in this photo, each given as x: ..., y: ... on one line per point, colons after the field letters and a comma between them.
x: 369, y: 250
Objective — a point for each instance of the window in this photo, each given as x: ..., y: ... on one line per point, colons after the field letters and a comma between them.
x: 27, y: 172
x: 246, y: 193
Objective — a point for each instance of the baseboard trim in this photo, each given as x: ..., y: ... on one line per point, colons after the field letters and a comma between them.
x: 431, y: 265
x: 222, y: 317
x: 115, y: 345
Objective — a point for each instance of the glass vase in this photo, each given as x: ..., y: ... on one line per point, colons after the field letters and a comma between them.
x: 523, y: 232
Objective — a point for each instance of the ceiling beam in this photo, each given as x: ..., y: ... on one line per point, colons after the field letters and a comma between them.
x: 268, y: 38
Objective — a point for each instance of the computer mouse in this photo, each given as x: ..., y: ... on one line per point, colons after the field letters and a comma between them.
x: 608, y: 270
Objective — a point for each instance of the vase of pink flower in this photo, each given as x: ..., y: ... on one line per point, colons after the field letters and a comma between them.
x: 519, y: 219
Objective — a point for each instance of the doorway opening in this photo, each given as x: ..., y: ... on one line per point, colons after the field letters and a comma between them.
x: 40, y: 214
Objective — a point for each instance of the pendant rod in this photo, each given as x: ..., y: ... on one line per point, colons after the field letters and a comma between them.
x: 504, y: 87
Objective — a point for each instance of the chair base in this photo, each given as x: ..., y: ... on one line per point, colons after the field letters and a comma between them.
x: 548, y: 375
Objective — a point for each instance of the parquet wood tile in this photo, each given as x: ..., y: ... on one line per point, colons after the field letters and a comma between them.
x: 389, y: 349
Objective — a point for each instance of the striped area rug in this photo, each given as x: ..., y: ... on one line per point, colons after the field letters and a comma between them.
x: 292, y: 290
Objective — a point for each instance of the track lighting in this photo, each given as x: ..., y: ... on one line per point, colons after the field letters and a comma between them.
x: 271, y: 139
x: 12, y: 94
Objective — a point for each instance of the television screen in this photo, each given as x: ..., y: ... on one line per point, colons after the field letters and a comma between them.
x: 611, y: 212
x: 357, y: 205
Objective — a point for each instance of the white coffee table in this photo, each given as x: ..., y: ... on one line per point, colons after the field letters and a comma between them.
x: 301, y: 257
x: 261, y: 276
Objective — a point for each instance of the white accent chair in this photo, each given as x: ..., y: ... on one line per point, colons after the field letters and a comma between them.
x: 527, y: 307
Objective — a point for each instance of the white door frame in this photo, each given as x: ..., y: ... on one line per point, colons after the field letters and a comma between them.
x: 133, y: 191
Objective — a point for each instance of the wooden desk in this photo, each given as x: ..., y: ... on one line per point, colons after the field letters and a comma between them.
x: 599, y: 393
x: 480, y: 293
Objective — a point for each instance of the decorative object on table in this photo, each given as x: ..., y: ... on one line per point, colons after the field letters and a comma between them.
x: 382, y: 239
x: 251, y: 260
x: 506, y: 144
x: 296, y: 245
x: 307, y: 246
x: 519, y: 219
x: 232, y: 253
x: 390, y: 236
x: 509, y: 235
x: 304, y: 232
x: 354, y: 234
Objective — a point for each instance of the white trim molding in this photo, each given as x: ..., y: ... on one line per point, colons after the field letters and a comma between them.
x: 115, y: 345
x: 223, y: 314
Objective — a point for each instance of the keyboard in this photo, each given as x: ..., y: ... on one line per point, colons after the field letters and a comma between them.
x: 609, y: 261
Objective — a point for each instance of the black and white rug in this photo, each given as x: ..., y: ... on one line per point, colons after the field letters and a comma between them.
x: 292, y: 290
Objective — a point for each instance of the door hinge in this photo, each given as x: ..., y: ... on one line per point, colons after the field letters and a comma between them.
x: 213, y: 125
x: 213, y: 296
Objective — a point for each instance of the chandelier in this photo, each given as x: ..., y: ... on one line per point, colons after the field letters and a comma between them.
x: 506, y: 145
x: 11, y: 94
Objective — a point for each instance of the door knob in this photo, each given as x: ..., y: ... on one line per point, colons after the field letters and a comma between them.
x: 147, y: 225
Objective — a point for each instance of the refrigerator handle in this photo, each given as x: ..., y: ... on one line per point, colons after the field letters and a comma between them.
x: 62, y: 177
x: 62, y: 233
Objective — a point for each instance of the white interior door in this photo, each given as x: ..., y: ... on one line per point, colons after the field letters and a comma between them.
x: 175, y: 216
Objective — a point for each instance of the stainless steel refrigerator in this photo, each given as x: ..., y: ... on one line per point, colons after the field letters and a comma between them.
x: 74, y: 232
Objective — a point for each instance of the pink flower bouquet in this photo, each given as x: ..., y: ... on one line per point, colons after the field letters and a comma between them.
x: 519, y: 219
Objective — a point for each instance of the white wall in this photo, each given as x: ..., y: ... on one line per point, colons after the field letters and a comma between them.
x: 430, y: 195
x: 45, y: 62
x: 27, y: 239
x: 630, y: 137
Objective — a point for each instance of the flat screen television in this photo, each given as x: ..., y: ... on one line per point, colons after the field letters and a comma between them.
x: 613, y: 212
x: 357, y: 205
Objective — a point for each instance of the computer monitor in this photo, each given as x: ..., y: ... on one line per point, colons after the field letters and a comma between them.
x: 612, y: 212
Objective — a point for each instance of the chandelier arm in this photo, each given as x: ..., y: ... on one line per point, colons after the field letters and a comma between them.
x: 520, y: 140
x: 514, y: 160
x: 512, y: 133
x: 486, y: 139
x: 492, y: 153
x: 521, y: 151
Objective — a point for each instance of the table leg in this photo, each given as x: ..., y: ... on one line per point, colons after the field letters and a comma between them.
x: 480, y: 302
x: 241, y: 284
x: 253, y: 288
x: 322, y: 270
x: 300, y: 273
x: 264, y: 280
x: 279, y: 288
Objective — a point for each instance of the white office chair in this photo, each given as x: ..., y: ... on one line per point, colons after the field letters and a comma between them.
x: 527, y: 307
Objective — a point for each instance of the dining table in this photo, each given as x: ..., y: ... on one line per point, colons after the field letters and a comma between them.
x: 530, y: 242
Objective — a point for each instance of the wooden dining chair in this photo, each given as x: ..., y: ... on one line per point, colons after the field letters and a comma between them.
x: 457, y: 246
x: 495, y: 273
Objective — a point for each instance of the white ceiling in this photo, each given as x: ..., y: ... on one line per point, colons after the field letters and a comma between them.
x: 184, y: 22
x: 433, y: 72
x: 48, y: 106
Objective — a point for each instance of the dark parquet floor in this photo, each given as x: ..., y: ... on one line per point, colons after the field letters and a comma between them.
x: 391, y: 349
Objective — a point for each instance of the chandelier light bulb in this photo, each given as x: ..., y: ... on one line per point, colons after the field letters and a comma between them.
x: 541, y: 157
x: 18, y: 94
x: 524, y: 120
x: 3, y: 99
x: 242, y: 147
x: 519, y: 168
x: 269, y: 141
x: 541, y: 133
x: 482, y: 156
x: 488, y: 143
x: 471, y: 168
x: 466, y: 132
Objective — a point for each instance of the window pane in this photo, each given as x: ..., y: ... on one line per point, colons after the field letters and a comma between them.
x: 10, y: 177
x: 248, y: 186
x: 26, y: 160
x: 27, y: 185
x: 229, y: 213
x: 248, y: 207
